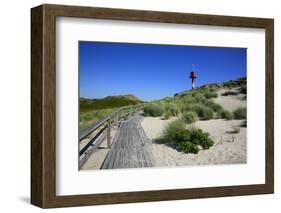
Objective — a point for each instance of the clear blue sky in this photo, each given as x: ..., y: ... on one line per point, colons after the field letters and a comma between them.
x: 152, y: 71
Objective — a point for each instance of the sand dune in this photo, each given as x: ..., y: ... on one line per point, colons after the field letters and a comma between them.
x: 230, y: 102
x: 228, y: 148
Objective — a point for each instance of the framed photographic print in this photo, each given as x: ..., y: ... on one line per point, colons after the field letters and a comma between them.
x: 136, y: 106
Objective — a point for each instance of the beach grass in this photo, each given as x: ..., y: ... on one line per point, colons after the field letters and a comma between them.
x: 90, y: 117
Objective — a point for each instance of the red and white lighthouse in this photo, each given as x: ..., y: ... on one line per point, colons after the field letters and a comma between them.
x: 193, y: 76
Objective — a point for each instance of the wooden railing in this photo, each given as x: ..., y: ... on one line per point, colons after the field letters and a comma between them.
x: 101, y: 130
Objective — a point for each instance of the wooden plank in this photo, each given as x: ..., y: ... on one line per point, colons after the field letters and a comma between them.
x: 132, y: 147
x: 108, y: 157
x: 118, y: 157
x: 140, y: 160
x: 147, y: 147
x: 112, y: 159
x: 126, y: 154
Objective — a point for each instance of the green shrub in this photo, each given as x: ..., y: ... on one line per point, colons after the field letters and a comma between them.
x: 183, y: 135
x: 207, y: 114
x: 201, y: 138
x: 212, y: 89
x: 214, y: 106
x: 196, y: 137
x: 186, y: 108
x: 187, y: 147
x: 204, y: 112
x: 230, y: 84
x: 189, y: 117
x: 226, y: 114
x: 183, y: 142
x: 240, y: 113
x: 167, y: 99
x: 170, y: 131
x: 154, y: 110
x: 171, y: 109
x: 198, y: 108
x: 200, y: 98
x: 167, y: 114
x: 209, y: 95
x: 227, y: 93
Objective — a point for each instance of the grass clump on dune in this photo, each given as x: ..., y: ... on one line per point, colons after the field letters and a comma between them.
x: 154, y: 110
x: 225, y: 114
x: 189, y: 117
x: 203, y: 112
x: 187, y: 147
x: 186, y: 140
x: 170, y: 131
x: 189, y: 141
x: 201, y: 138
x: 240, y: 113
x: 170, y: 110
x: 209, y: 94
x: 227, y: 93
x: 197, y: 102
x: 214, y: 106
x: 207, y: 114
x: 88, y: 118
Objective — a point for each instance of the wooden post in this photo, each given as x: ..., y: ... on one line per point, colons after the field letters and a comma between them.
x: 124, y: 114
x: 108, y: 134
x: 116, y: 119
x: 121, y: 115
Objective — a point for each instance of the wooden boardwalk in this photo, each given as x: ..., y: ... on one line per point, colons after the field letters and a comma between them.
x: 130, y: 148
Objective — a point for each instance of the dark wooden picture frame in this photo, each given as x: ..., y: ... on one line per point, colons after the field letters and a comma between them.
x: 43, y: 105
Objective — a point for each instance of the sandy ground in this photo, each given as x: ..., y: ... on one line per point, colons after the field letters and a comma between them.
x: 230, y: 102
x: 228, y: 149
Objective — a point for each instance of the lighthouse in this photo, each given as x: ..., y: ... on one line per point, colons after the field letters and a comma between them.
x: 193, y: 76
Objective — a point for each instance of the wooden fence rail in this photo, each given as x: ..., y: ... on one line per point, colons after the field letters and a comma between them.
x: 101, y: 130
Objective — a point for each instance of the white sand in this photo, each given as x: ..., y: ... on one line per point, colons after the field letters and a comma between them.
x: 229, y: 148
x: 230, y: 102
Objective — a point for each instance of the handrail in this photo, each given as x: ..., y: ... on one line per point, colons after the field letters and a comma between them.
x: 91, y: 141
x: 90, y: 147
x: 96, y: 125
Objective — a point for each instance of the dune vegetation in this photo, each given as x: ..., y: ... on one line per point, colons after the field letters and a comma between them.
x: 93, y: 110
x: 108, y: 102
x: 191, y: 106
x: 186, y: 108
